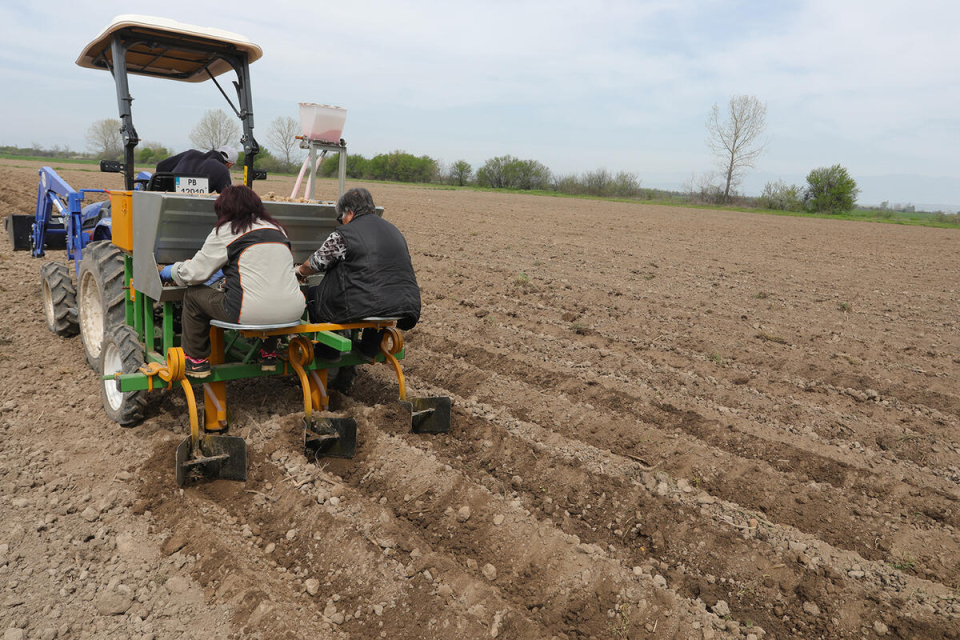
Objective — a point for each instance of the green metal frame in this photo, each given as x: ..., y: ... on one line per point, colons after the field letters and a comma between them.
x: 232, y: 371
x: 139, y: 313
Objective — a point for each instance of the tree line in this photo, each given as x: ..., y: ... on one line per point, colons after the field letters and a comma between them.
x: 829, y: 190
x: 500, y: 172
x: 734, y: 136
x: 215, y: 129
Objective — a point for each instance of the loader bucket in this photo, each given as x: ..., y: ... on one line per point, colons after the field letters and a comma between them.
x: 223, y: 457
x: 329, y: 437
x: 429, y: 415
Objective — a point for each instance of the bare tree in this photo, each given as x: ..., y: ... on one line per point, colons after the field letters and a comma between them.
x: 282, y: 138
x: 625, y: 184
x: 597, y: 182
x: 104, y: 139
x: 703, y: 187
x: 214, y: 130
x: 736, y: 141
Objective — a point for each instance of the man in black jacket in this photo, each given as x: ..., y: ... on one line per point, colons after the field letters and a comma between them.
x: 213, y: 164
x: 368, y: 272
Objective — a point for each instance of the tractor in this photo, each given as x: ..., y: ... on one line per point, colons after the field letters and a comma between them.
x: 128, y: 320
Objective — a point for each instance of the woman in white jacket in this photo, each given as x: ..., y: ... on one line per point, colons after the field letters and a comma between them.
x: 260, y: 285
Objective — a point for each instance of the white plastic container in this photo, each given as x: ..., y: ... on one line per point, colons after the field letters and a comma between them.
x: 322, y: 121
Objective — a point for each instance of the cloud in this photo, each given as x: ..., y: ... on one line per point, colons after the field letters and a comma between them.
x: 626, y: 85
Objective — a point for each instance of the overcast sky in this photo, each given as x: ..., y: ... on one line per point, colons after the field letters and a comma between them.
x: 872, y: 85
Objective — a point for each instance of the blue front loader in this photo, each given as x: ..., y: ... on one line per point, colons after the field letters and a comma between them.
x: 60, y: 215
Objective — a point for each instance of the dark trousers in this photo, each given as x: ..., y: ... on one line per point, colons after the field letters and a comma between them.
x: 200, y: 306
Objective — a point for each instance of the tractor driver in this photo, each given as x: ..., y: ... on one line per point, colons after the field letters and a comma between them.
x: 368, y: 273
x: 213, y: 164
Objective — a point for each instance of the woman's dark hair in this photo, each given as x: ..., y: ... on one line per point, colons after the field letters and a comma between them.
x: 357, y: 200
x: 241, y: 207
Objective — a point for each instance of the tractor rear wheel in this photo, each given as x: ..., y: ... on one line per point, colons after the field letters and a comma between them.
x: 59, y: 299
x: 121, y: 352
x: 100, y: 296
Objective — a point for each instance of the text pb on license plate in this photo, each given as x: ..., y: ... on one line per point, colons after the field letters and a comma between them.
x: 192, y: 185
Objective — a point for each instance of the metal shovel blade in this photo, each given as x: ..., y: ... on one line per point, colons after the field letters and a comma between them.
x: 223, y: 457
x: 183, y: 452
x: 429, y: 415
x: 330, y: 437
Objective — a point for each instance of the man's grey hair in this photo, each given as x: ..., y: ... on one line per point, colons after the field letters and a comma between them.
x: 357, y: 200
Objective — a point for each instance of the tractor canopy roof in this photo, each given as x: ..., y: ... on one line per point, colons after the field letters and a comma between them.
x: 165, y: 48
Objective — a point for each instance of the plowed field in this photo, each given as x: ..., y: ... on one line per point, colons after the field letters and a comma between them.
x: 668, y: 423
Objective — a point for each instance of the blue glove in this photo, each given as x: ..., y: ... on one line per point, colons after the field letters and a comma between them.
x: 166, y: 274
x: 214, y: 278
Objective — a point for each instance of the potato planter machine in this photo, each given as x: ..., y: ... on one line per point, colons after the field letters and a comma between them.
x: 129, y: 322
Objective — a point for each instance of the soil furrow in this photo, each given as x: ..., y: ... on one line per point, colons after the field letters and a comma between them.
x: 635, y: 516
x: 743, y: 476
x: 693, y: 424
x: 568, y: 587
x: 790, y: 457
x: 377, y: 574
x: 850, y: 400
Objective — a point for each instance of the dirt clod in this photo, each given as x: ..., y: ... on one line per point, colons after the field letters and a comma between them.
x: 113, y: 603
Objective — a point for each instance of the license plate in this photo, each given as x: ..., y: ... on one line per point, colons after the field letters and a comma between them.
x: 192, y: 185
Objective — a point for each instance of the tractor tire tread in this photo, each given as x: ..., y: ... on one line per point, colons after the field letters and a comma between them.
x: 131, y: 410
x: 106, y: 263
x: 63, y: 294
x: 111, y: 263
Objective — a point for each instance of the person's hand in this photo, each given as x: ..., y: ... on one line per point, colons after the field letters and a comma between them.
x: 166, y: 273
x: 301, y: 276
x: 214, y: 278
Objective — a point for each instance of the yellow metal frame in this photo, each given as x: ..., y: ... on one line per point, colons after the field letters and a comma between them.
x: 314, y: 328
x: 174, y: 370
x: 215, y: 393
x: 313, y: 383
x: 391, y: 344
x: 300, y: 355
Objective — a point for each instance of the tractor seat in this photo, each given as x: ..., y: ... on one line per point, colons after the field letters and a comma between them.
x: 254, y: 327
x: 375, y: 320
x: 161, y: 181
